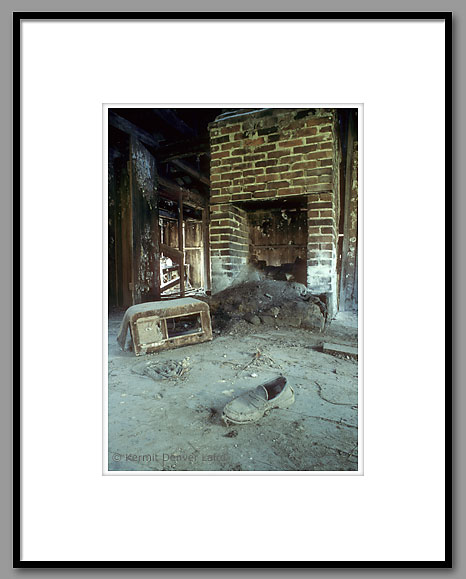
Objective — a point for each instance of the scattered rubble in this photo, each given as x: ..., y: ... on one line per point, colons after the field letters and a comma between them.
x: 171, y: 370
x: 269, y: 302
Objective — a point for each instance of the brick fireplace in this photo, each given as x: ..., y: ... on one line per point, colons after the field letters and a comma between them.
x: 275, y: 197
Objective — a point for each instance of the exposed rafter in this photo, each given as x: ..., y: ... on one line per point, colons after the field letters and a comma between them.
x: 172, y: 119
x: 172, y: 191
x: 190, y: 170
x: 131, y: 129
x: 182, y: 149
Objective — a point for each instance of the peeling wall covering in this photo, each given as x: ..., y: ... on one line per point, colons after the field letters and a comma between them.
x: 349, y: 297
x: 144, y: 171
x: 120, y: 229
x: 271, y: 155
x: 145, y: 284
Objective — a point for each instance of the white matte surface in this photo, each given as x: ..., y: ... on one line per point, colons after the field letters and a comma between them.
x: 396, y: 510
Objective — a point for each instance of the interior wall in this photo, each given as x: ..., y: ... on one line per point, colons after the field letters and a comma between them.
x: 120, y: 226
x: 194, y: 252
x: 193, y: 247
x: 349, y: 271
x: 146, y: 250
x: 278, y: 242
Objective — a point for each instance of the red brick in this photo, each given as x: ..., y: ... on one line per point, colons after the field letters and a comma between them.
x: 219, y: 140
x: 290, y: 159
x: 254, y: 142
x: 289, y: 144
x: 278, y: 169
x: 221, y: 199
x: 265, y: 148
x: 312, y: 121
x: 267, y: 163
x: 290, y: 191
x: 328, y: 145
x: 239, y: 196
x: 261, y: 194
x: 322, y: 171
x: 230, y: 129
x: 321, y: 238
x: 306, y: 132
x: 232, y: 175
x: 278, y: 154
x: 305, y: 149
x: 215, y: 208
x: 305, y: 181
x: 258, y: 187
x: 304, y: 165
x: 319, y: 186
x: 319, y: 154
x: 325, y: 178
x: 277, y: 184
x: 228, y: 146
x: 318, y: 139
x: 294, y: 174
x: 253, y: 172
x: 221, y: 155
x: 319, y: 205
x: 219, y: 184
x: 245, y: 181
x: 225, y: 223
x: 254, y: 157
x: 267, y: 178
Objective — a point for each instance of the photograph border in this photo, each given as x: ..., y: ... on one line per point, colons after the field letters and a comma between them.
x: 360, y: 393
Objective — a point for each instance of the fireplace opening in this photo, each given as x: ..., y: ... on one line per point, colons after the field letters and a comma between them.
x: 278, y: 241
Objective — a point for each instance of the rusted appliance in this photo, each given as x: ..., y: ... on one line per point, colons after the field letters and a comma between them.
x: 156, y: 326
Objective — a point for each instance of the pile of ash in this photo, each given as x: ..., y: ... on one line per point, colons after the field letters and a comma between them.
x: 269, y: 302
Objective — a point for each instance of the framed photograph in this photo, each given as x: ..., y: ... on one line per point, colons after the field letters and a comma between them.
x: 223, y: 289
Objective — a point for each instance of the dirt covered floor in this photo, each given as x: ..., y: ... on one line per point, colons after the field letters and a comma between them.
x: 164, y: 409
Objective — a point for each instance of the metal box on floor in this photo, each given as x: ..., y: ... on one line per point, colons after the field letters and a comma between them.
x: 157, y: 326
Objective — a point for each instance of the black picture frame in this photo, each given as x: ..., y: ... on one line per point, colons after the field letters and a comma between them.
x: 18, y: 17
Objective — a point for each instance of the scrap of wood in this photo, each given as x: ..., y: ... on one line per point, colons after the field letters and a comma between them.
x: 340, y: 350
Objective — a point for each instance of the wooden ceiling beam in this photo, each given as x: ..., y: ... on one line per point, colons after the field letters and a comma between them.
x: 131, y: 129
x: 192, y: 171
x: 172, y: 119
x: 173, y: 190
x: 182, y: 149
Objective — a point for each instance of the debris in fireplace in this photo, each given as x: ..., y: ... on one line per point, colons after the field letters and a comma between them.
x: 295, y: 271
x: 270, y: 302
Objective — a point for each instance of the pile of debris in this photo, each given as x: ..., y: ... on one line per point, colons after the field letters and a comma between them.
x: 171, y: 370
x: 270, y: 302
